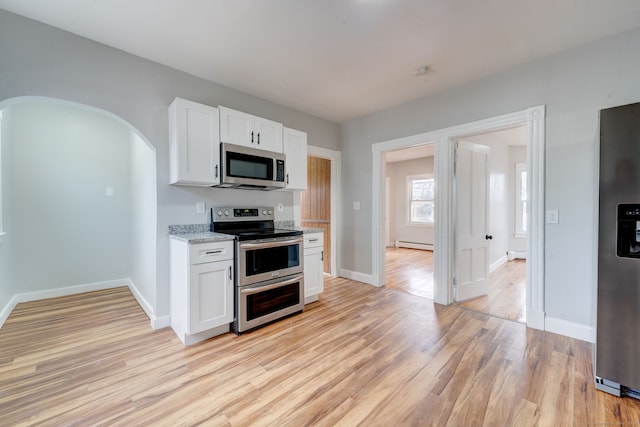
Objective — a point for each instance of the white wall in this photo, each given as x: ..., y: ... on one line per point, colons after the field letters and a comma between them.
x: 143, y: 219
x: 40, y: 60
x: 398, y: 172
x: 574, y: 87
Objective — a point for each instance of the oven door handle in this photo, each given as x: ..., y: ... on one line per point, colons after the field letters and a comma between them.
x: 270, y: 244
x: 251, y: 291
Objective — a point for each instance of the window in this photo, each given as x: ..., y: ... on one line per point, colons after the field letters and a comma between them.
x: 521, y: 200
x: 421, y: 194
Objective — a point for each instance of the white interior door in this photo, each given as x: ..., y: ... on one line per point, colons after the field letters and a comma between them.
x: 471, y: 228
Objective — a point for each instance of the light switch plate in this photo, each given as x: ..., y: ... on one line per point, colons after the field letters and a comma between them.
x: 108, y: 191
x: 553, y: 217
x: 356, y: 206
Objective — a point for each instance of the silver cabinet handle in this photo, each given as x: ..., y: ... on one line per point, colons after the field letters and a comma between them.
x: 287, y: 178
x: 313, y: 240
x: 216, y: 171
x: 252, y: 137
x: 322, y: 256
x: 230, y: 276
x: 217, y: 251
x: 258, y: 138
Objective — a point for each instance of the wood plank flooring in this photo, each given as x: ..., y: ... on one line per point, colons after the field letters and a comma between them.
x: 410, y: 270
x: 360, y: 356
x: 507, y: 293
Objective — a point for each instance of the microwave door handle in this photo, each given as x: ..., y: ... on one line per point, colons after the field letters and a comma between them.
x: 251, y: 291
x: 269, y: 244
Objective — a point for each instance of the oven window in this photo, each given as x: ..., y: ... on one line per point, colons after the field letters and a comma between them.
x: 272, y: 259
x: 273, y: 300
x: 247, y: 166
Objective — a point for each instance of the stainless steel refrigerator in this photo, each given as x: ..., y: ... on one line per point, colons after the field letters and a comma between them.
x: 617, y: 350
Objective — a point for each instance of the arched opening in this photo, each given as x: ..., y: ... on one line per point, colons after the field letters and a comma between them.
x: 79, y: 203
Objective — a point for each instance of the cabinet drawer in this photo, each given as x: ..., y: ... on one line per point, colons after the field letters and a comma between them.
x: 313, y: 240
x: 209, y: 252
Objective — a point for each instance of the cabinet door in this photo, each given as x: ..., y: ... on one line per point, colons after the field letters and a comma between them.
x: 295, y: 148
x: 313, y: 276
x: 194, y: 135
x: 268, y: 135
x: 236, y: 127
x: 210, y: 295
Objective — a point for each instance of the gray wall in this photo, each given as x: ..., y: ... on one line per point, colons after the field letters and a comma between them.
x: 43, y: 61
x: 6, y: 255
x: 65, y: 231
x: 398, y: 172
x: 573, y: 86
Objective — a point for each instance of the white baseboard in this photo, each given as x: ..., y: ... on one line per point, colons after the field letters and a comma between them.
x: 6, y: 311
x: 358, y: 277
x: 499, y: 263
x: 535, y: 320
x: 569, y: 329
x: 413, y: 245
x: 156, y: 322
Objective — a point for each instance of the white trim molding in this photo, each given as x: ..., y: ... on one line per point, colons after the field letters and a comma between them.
x: 498, y: 263
x: 443, y: 139
x: 570, y: 329
x: 413, y: 245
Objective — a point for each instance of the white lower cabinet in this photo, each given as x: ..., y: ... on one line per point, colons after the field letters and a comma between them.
x: 201, y: 289
x: 313, y: 266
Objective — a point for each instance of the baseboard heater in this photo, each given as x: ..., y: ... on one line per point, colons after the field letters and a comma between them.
x: 511, y: 255
x: 413, y: 245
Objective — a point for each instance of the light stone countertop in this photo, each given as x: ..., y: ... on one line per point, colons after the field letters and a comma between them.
x: 202, y: 237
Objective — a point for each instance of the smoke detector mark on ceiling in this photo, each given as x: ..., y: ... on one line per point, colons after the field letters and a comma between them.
x: 421, y: 71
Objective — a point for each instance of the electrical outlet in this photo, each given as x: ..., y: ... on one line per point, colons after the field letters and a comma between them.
x: 200, y: 207
x: 280, y: 207
x: 553, y: 217
x: 356, y: 206
x: 108, y: 191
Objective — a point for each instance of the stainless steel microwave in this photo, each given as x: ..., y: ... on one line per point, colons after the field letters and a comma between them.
x: 251, y: 168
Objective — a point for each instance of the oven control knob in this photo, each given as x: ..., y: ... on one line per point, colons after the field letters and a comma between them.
x: 219, y: 213
x: 226, y: 213
x: 264, y: 212
x: 269, y: 212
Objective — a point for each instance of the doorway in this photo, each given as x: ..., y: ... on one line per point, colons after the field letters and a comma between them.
x: 318, y: 204
x: 409, y: 219
x: 503, y: 236
x: 534, y: 120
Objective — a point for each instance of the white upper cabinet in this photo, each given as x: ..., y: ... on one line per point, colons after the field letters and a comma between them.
x: 245, y: 129
x: 295, y: 148
x: 194, y: 139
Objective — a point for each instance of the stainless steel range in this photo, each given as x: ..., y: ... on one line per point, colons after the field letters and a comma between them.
x: 269, y: 281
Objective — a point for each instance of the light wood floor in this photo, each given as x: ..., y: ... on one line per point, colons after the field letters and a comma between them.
x: 360, y: 356
x: 411, y: 270
x: 507, y: 293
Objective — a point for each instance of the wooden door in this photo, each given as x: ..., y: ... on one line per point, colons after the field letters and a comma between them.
x: 315, y: 202
x: 471, y: 226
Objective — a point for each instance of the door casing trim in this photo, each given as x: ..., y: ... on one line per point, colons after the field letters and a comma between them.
x: 534, y: 119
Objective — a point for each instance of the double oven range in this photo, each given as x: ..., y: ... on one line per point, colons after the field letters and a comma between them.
x: 269, y: 276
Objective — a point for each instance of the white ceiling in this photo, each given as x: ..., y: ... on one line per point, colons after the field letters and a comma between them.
x: 337, y: 59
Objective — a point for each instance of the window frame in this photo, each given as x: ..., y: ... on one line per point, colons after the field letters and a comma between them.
x: 409, y: 200
x: 520, y: 226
